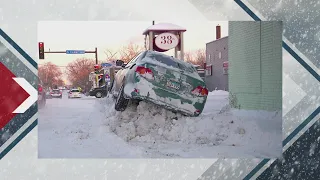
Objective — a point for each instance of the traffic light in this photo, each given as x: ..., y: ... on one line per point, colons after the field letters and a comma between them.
x: 41, y: 50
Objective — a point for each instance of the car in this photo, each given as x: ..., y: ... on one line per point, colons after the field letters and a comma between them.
x: 74, y: 93
x: 99, y: 92
x: 160, y: 79
x: 56, y: 93
x: 41, y: 95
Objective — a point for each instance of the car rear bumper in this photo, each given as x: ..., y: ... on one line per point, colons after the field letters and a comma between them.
x: 75, y: 96
x: 191, y: 106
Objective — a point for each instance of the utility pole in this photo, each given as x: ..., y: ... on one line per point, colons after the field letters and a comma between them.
x: 96, y: 53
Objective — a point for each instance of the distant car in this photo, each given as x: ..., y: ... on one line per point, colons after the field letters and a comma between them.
x: 163, y: 80
x: 99, y: 92
x: 41, y: 95
x: 74, y: 93
x: 56, y: 93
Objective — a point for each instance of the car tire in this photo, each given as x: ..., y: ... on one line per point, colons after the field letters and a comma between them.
x: 121, y: 102
x: 98, y: 94
x: 112, y: 92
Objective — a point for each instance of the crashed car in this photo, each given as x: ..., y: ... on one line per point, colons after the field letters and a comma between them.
x: 163, y: 80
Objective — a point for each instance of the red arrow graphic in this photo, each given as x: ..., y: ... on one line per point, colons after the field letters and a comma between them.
x: 11, y: 95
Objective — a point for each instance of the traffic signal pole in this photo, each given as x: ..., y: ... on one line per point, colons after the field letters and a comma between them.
x: 42, y: 52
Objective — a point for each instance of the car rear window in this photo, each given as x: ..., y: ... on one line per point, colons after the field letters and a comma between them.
x: 74, y: 90
x: 187, y: 67
x: 164, y: 59
x: 56, y: 91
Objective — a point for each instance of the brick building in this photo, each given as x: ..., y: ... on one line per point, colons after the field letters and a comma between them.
x: 216, y: 58
x: 255, y: 64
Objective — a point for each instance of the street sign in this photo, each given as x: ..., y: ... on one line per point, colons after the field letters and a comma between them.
x: 75, y: 51
x: 225, y: 67
x: 106, y: 64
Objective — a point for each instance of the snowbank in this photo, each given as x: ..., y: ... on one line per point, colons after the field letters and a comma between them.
x: 217, y: 125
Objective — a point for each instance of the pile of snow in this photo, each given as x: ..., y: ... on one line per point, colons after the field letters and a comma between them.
x: 217, y: 125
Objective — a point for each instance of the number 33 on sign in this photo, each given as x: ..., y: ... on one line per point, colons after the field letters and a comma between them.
x: 166, y: 41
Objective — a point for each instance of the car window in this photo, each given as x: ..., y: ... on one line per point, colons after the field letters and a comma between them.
x: 56, y: 91
x: 164, y: 59
x: 187, y: 67
x: 74, y: 90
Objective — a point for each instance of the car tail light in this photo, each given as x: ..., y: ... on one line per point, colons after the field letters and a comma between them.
x: 145, y: 72
x: 200, y: 91
x: 40, y: 88
x: 197, y: 112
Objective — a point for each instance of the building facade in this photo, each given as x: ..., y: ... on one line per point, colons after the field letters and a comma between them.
x: 255, y: 65
x: 216, y: 57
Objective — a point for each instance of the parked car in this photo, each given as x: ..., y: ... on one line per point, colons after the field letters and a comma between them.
x: 163, y: 80
x: 56, y: 93
x: 99, y: 92
x: 41, y: 95
x: 74, y: 93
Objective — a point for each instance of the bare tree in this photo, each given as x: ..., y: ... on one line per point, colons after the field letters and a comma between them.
x: 78, y: 72
x: 200, y: 57
x: 111, y: 56
x: 188, y: 57
x: 130, y: 51
x: 50, y: 74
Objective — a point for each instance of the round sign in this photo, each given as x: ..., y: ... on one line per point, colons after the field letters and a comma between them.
x: 166, y: 41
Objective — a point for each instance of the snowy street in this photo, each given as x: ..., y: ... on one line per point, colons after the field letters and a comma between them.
x: 90, y: 128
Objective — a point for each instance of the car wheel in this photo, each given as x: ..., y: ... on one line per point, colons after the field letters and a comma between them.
x: 98, y: 94
x: 121, y: 102
x: 114, y: 97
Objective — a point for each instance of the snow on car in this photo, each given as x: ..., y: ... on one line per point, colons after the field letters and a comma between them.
x: 74, y: 93
x: 163, y: 80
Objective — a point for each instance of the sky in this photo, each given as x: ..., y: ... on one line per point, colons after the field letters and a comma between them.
x: 112, y: 35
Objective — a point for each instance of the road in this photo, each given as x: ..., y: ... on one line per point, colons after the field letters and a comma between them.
x: 74, y: 128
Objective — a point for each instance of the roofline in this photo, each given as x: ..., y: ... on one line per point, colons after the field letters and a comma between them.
x: 217, y: 39
x: 161, y: 30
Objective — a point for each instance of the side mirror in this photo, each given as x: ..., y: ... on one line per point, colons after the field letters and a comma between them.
x: 124, y: 65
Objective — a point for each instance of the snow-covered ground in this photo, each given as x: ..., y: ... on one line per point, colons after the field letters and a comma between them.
x: 91, y: 128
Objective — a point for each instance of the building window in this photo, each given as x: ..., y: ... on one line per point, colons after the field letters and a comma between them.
x: 219, y: 55
x: 209, y: 57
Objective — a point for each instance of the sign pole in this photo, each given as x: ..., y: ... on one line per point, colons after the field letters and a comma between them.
x: 96, y: 53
